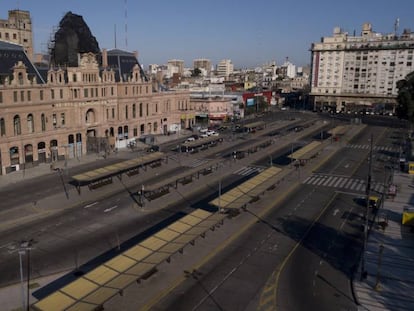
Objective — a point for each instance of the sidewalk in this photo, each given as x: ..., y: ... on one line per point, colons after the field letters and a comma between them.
x: 390, y: 256
x: 44, y: 168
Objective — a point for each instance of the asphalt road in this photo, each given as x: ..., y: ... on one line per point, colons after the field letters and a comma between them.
x: 319, y: 271
x: 301, y: 256
x: 81, y: 237
x: 237, y: 275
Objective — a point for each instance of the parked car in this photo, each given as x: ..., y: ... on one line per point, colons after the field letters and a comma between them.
x: 210, y: 132
x: 153, y: 148
x: 190, y: 139
x: 203, y: 135
x: 203, y: 130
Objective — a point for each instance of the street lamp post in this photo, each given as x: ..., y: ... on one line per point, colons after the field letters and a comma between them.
x: 24, y: 248
x: 367, y: 193
x: 142, y: 197
x: 21, y: 253
x: 219, y: 197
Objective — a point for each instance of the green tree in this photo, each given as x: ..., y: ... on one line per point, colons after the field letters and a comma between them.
x: 405, y: 98
x: 196, y: 72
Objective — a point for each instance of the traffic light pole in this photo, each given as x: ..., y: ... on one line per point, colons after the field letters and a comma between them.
x: 367, y: 193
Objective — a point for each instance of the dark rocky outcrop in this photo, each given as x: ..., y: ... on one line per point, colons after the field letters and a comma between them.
x: 72, y: 37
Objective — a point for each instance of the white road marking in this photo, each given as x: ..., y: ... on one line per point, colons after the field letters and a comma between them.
x: 110, y: 209
x: 91, y: 204
x: 6, y: 245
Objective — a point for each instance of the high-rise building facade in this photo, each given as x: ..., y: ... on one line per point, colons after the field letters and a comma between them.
x: 360, y: 72
x: 18, y: 29
x: 177, y: 66
x: 202, y: 63
x: 225, y: 68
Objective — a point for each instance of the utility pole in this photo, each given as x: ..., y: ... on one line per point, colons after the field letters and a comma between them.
x: 367, y: 193
x: 23, y: 249
x: 219, y: 197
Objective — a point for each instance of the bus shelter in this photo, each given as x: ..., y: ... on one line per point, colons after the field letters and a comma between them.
x: 248, y: 191
x: 103, y: 175
x: 90, y: 291
x: 302, y: 155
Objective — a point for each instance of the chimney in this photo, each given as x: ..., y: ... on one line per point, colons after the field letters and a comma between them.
x: 104, y: 58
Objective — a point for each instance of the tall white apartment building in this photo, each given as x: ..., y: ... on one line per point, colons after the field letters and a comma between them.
x: 290, y: 69
x: 358, y: 72
x: 225, y: 68
x: 175, y: 66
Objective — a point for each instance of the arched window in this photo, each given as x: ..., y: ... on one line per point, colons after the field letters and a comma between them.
x: 71, y: 139
x: 20, y: 78
x: 30, y: 125
x: 14, y: 155
x: 17, y: 125
x: 134, y: 111
x: 28, y: 153
x: 126, y: 131
x: 90, y: 116
x: 2, y: 127
x: 54, y: 149
x: 120, y: 133
x: 43, y: 121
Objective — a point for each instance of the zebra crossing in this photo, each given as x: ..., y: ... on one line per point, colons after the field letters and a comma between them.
x: 248, y: 170
x: 375, y: 148
x: 341, y: 182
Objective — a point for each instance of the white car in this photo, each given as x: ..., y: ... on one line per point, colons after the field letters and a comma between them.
x: 203, y: 135
x: 190, y: 139
x: 210, y: 133
x: 203, y: 131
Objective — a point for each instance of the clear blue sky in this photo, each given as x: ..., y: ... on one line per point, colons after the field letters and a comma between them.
x: 249, y: 33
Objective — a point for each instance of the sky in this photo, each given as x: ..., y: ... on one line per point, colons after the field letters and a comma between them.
x: 250, y: 33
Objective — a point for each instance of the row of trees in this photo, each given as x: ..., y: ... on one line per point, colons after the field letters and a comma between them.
x: 405, y: 98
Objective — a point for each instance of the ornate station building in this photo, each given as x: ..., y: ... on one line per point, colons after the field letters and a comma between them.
x: 103, y: 103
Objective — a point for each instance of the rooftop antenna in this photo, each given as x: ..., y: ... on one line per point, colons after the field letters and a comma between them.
x: 126, y: 25
x: 396, y: 25
x: 115, y: 35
